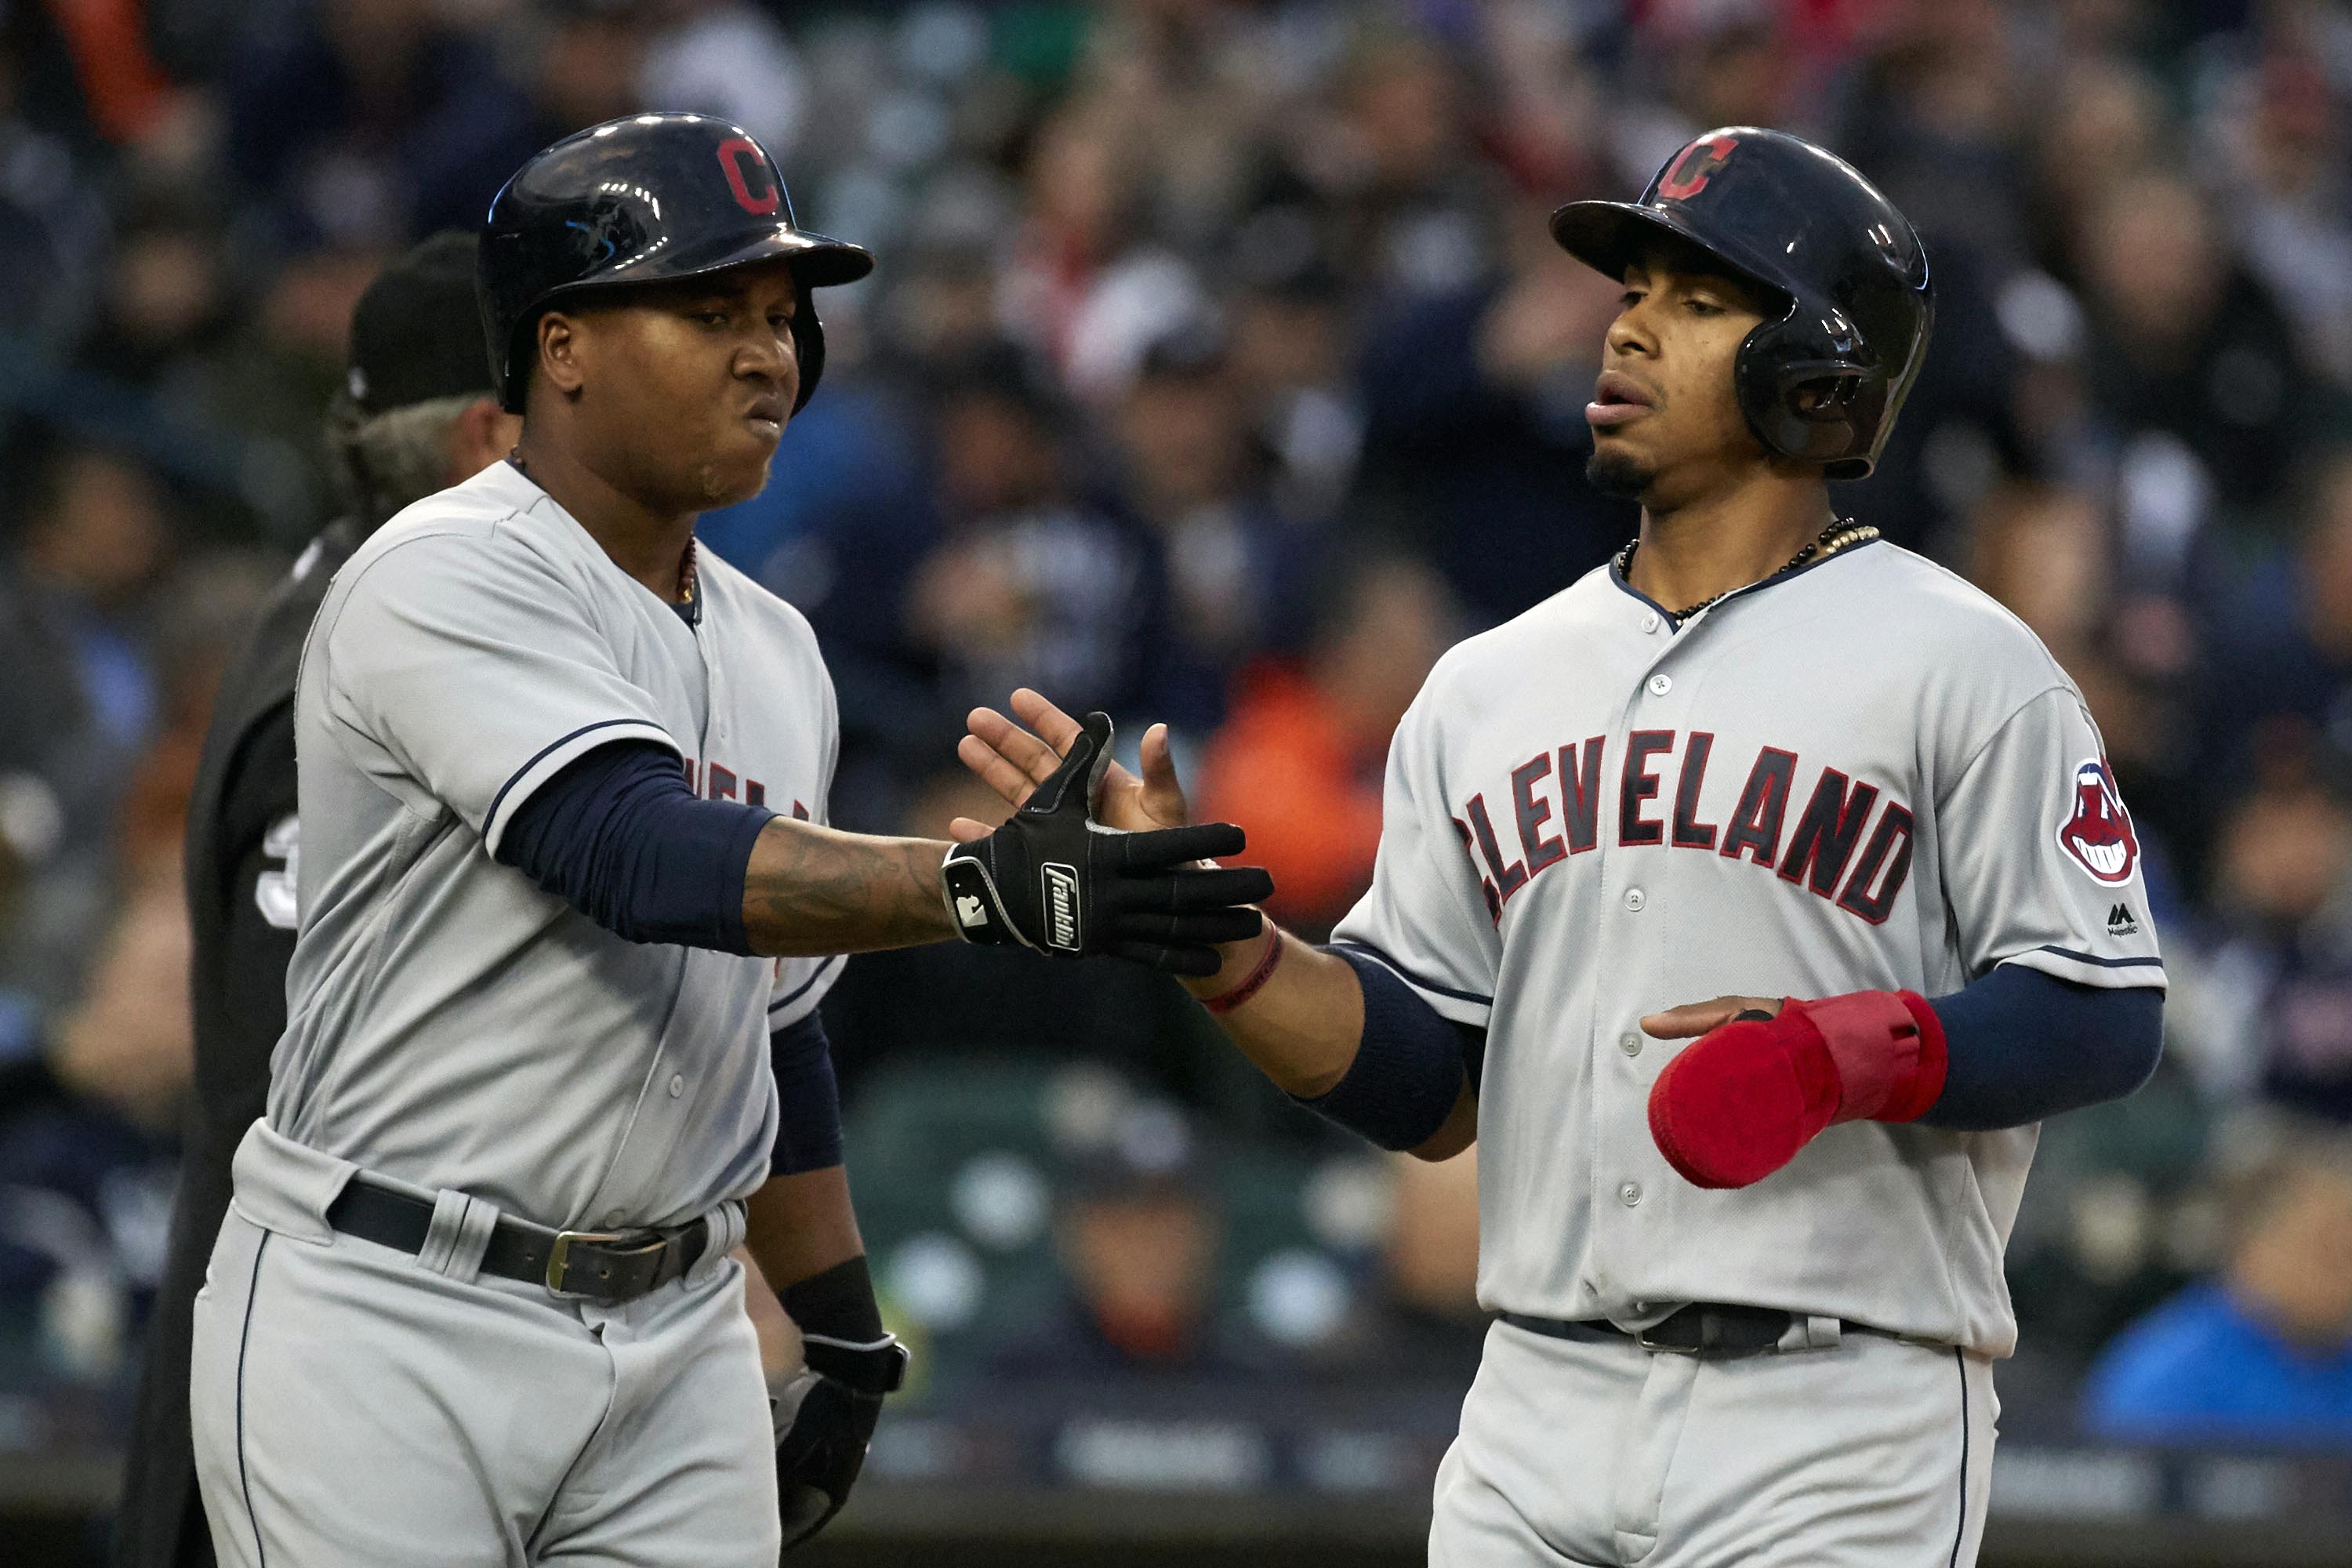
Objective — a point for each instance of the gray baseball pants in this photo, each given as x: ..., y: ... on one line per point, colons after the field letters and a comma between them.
x: 1870, y: 1453
x: 353, y: 1405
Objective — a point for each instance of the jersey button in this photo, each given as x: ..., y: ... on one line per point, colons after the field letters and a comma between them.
x: 1630, y: 1194
x: 1630, y: 1044
x: 1650, y: 622
x: 676, y: 1084
x: 1661, y: 683
x: 1635, y: 899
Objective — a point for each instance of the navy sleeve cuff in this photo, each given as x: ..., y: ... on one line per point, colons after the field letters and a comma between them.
x: 2021, y: 1045
x: 808, y: 1125
x: 621, y: 836
x: 1409, y: 1068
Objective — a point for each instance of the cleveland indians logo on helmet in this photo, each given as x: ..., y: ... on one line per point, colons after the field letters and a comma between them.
x: 2099, y: 834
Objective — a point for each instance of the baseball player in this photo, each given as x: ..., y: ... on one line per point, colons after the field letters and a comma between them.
x: 1749, y: 901
x: 416, y: 414
x: 564, y: 870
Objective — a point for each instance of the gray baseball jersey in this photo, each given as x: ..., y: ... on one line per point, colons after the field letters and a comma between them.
x: 1861, y: 775
x: 450, y: 1023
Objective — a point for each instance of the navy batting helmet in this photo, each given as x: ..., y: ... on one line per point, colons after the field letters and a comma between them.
x: 644, y: 199
x: 1823, y: 379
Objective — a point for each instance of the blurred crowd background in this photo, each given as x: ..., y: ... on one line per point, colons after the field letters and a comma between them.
x: 1219, y: 369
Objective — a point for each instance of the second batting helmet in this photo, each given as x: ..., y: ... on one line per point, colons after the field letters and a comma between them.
x: 645, y: 199
x: 1823, y: 379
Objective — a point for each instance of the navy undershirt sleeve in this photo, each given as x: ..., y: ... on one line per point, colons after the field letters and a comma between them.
x: 808, y: 1132
x: 2022, y: 1046
x: 1410, y: 1066
x: 622, y: 838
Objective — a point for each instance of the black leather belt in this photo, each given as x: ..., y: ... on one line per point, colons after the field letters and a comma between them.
x: 599, y: 1265
x: 1702, y: 1329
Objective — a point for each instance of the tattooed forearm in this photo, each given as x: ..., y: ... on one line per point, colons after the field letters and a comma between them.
x: 813, y: 890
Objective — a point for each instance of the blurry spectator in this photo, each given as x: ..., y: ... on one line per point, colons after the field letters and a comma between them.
x: 2263, y: 1355
x: 1029, y: 585
x: 1475, y: 438
x: 1193, y: 478
x: 1084, y: 286
x: 1424, y: 1324
x: 1139, y: 1236
x: 1289, y: 354
x: 54, y: 220
x: 168, y: 307
x: 2282, y: 150
x: 727, y: 58
x: 589, y: 67
x: 2187, y: 343
x: 127, y: 1044
x: 1298, y: 765
x: 276, y: 374
x: 2044, y: 553
x: 81, y: 700
x: 2277, y: 679
x: 2093, y: 101
x: 2284, y: 880
x: 1710, y: 62
x: 1929, y: 120
x: 364, y: 120
x: 87, y: 1120
x: 1412, y: 210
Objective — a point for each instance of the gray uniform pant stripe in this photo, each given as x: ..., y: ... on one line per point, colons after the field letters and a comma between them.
x: 1960, y: 1529
x: 245, y: 1332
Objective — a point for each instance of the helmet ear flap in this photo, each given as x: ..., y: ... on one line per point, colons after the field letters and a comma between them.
x: 808, y: 346
x: 1806, y: 394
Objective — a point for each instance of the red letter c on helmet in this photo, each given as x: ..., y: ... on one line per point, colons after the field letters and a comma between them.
x: 1698, y: 162
x: 734, y: 154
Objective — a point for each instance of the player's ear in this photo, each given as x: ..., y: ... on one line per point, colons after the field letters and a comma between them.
x: 560, y: 353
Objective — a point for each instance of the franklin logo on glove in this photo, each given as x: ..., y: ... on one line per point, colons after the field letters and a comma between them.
x: 1056, y: 879
x: 1062, y: 903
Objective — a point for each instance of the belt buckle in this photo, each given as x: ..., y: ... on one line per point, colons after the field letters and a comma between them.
x: 1643, y: 1339
x: 558, y: 1257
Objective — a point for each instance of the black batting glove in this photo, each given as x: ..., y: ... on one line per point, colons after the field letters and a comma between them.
x: 824, y: 1416
x: 1055, y: 879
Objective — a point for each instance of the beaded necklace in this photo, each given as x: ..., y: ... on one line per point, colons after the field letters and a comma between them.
x: 1840, y: 533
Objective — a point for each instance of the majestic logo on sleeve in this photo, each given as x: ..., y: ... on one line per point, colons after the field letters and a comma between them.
x: 2098, y: 835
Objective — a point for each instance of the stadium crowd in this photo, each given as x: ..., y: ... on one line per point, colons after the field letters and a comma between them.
x: 1219, y: 368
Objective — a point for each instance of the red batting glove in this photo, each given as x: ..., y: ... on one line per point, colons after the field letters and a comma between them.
x: 1743, y: 1098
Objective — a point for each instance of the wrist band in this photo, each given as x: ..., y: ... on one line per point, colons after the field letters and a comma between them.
x: 1228, y: 1001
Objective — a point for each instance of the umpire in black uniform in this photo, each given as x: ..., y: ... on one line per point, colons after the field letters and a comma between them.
x: 416, y: 416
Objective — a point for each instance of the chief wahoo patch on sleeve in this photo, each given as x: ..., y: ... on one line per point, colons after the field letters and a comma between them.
x: 2098, y: 833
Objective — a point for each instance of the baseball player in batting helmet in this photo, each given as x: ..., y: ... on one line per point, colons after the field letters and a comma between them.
x: 567, y: 902
x: 1750, y: 903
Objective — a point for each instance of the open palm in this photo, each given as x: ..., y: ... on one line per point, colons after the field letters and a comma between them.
x: 1014, y: 761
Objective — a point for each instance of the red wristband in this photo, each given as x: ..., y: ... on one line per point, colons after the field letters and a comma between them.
x: 1225, y: 1002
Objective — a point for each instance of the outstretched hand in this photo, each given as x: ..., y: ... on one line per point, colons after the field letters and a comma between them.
x: 1057, y: 878
x: 1014, y: 761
